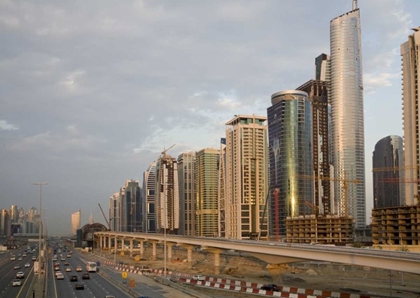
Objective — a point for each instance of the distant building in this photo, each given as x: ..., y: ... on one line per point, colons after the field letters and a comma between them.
x: 4, y: 222
x: 167, y: 195
x: 291, y: 166
x: 246, y: 180
x: 115, y: 212
x: 410, y: 56
x: 14, y: 213
x: 149, y: 206
x: 222, y: 189
x: 75, y: 222
x: 131, y: 206
x: 206, y: 185
x: 187, y: 203
x: 388, y: 172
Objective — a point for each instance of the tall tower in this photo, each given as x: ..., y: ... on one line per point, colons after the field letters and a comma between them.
x: 167, y: 195
x: 410, y: 53
x: 115, y: 212
x: 290, y: 152
x: 206, y: 168
x: 388, y: 186
x: 347, y: 116
x: 318, y: 96
x: 75, y: 222
x: 186, y: 180
x: 246, y: 177
x: 222, y: 189
x: 149, y: 210
x: 131, y: 201
x: 14, y: 213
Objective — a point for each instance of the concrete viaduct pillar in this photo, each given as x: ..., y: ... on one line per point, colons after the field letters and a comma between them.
x: 189, y: 249
x: 216, y: 252
x: 131, y: 247
x: 169, y: 250
x: 141, y: 248
x: 153, y: 250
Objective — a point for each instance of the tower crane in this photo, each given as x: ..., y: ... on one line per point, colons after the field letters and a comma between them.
x: 163, y: 154
x: 106, y: 220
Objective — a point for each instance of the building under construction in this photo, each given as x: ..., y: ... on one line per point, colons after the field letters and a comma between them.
x: 328, y: 229
x: 396, y: 225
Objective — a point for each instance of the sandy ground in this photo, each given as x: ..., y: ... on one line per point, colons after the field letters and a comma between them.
x: 319, y: 276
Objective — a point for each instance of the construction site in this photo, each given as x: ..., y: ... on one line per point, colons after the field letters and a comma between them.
x: 396, y: 225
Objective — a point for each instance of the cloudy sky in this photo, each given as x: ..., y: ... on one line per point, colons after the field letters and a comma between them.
x: 92, y: 91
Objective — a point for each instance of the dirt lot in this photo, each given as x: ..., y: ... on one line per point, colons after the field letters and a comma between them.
x: 311, y: 275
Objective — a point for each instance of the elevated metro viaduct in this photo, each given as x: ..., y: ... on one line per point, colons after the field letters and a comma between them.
x: 270, y: 252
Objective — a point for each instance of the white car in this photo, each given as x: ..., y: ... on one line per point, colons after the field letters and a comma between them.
x: 20, y: 275
x: 59, y: 275
x: 27, y: 265
x: 79, y: 269
x: 68, y: 269
x: 16, y: 283
x: 198, y: 277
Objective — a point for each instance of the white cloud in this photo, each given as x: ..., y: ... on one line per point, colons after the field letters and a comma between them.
x: 4, y: 125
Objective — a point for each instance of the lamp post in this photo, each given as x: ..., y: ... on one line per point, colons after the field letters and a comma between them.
x: 40, y: 220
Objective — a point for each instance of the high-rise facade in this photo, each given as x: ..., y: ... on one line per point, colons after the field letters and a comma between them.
x: 167, y: 195
x: 290, y: 159
x: 206, y: 169
x: 4, y: 222
x: 149, y: 190
x: 75, y: 222
x: 222, y: 189
x: 410, y: 56
x: 346, y: 95
x: 318, y: 97
x: 114, y: 212
x: 14, y: 213
x: 388, y: 172
x: 246, y: 181
x: 131, y: 206
x: 186, y: 180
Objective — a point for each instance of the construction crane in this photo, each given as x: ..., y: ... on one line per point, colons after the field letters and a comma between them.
x: 391, y: 169
x: 345, y: 182
x: 400, y: 180
x: 163, y: 154
x: 107, y: 222
x: 314, y: 207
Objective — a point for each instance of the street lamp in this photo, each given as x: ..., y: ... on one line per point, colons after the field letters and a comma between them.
x: 40, y: 220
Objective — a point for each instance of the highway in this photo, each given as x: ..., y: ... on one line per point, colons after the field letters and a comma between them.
x: 8, y: 273
x: 96, y: 286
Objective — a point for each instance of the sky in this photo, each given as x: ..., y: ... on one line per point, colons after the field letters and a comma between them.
x: 91, y: 92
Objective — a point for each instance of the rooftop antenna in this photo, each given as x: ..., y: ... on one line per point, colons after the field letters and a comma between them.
x: 354, y: 4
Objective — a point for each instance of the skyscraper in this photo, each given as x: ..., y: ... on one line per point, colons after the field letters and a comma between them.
x: 131, y: 206
x: 186, y: 180
x: 222, y: 189
x: 347, y: 116
x: 14, y: 213
x: 318, y: 97
x: 167, y: 195
x: 114, y: 212
x: 246, y: 181
x: 290, y: 153
x: 206, y: 168
x: 410, y: 53
x: 149, y: 190
x: 75, y: 222
x: 389, y: 185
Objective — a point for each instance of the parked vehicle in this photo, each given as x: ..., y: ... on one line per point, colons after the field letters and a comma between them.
x: 270, y: 287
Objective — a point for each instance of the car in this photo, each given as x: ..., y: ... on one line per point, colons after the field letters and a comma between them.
x: 79, y: 269
x: 58, y: 272
x: 27, y: 265
x: 63, y: 259
x: 69, y: 256
x: 73, y: 278
x: 270, y: 287
x: 109, y: 296
x: 198, y: 277
x: 33, y: 258
x: 56, y: 268
x: 85, y: 276
x: 12, y: 258
x: 79, y: 286
x: 16, y: 267
x: 20, y: 259
x: 16, y: 283
x: 24, y: 255
x: 59, y: 276
x: 20, y: 275
x: 66, y: 264
x: 68, y: 269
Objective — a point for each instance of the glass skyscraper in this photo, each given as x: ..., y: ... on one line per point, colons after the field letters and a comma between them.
x: 290, y: 159
x: 346, y: 95
x: 388, y: 186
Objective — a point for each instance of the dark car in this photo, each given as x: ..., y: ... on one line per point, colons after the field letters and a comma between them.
x: 85, y: 276
x: 79, y: 286
x: 73, y: 278
x: 270, y: 287
x: 66, y: 264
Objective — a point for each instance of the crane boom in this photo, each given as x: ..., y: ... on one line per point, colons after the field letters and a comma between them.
x: 164, y: 150
x: 107, y: 222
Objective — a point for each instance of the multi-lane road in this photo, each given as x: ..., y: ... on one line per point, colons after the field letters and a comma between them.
x: 97, y: 286
x: 8, y: 274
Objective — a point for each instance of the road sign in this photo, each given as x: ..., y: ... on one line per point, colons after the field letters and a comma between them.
x: 131, y: 283
x: 136, y: 258
x: 122, y: 253
x: 124, y: 274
